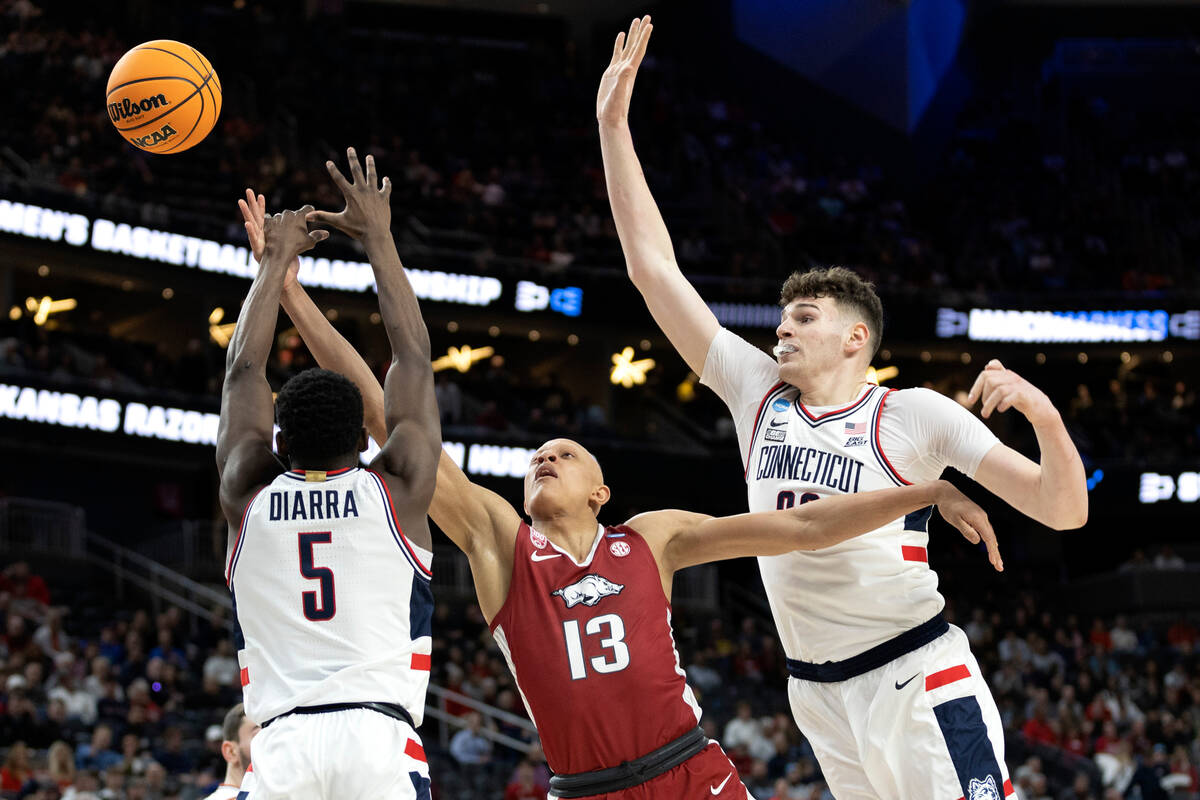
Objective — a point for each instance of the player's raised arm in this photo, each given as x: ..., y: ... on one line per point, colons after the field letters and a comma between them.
x: 649, y: 256
x: 1054, y: 491
x: 685, y: 539
x: 465, y: 511
x: 244, y: 438
x: 413, y: 428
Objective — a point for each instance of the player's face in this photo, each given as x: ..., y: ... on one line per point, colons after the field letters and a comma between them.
x: 562, y: 477
x: 246, y: 732
x: 811, y: 337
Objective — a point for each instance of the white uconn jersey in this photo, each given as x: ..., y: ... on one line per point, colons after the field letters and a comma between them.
x: 333, y: 602
x: 837, y: 602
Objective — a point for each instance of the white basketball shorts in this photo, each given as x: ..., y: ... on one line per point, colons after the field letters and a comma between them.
x: 923, y: 726
x: 356, y: 754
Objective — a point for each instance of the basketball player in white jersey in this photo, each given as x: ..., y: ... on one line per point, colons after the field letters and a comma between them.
x: 329, y: 564
x: 889, y: 694
x: 564, y: 492
x: 236, y: 733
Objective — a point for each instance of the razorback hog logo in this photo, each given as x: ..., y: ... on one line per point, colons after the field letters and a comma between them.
x: 589, y: 590
x: 983, y: 789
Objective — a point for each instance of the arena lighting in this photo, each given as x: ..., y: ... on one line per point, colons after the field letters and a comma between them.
x: 1007, y: 325
x: 462, y: 359
x: 626, y: 371
x: 882, y: 374
x: 106, y: 236
x: 42, y: 309
x: 221, y: 334
x: 1184, y: 487
x: 111, y: 416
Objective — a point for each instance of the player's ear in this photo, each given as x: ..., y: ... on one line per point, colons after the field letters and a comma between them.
x: 600, y: 495
x: 857, y: 337
x: 362, y: 440
x: 230, y: 752
x: 281, y: 445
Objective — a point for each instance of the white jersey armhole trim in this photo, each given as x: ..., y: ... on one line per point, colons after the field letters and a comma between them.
x: 411, y: 551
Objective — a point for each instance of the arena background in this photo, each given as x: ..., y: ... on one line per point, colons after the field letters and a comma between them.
x: 972, y: 158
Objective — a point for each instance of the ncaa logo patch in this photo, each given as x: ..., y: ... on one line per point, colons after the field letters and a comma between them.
x: 780, y: 405
x: 983, y: 789
x: 538, y: 540
x: 619, y: 549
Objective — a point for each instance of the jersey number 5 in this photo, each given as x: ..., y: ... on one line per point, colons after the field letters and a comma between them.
x: 328, y: 603
x: 614, y: 641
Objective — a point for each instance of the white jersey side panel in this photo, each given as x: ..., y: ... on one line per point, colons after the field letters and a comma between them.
x: 837, y: 602
x: 333, y: 602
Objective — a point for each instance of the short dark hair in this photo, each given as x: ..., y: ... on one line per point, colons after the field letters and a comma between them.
x: 845, y: 288
x: 320, y: 414
x: 233, y: 721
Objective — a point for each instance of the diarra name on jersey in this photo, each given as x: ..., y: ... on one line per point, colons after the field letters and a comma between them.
x: 285, y: 505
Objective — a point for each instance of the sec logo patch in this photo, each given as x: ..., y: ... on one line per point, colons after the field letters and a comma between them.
x: 619, y: 549
x: 538, y: 540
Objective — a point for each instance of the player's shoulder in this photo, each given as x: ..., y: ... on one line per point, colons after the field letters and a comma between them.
x: 663, y: 524
x: 918, y: 402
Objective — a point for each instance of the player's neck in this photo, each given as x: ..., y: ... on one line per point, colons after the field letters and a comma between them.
x: 345, y: 462
x: 574, y: 533
x: 833, y: 389
x: 233, y: 777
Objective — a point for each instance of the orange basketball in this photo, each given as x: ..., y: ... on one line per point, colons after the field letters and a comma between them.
x: 163, y: 96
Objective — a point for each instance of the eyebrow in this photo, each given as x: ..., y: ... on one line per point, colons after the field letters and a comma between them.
x: 783, y: 313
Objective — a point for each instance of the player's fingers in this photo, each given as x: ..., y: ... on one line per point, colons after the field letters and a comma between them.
x: 386, y: 191
x: 338, y: 178
x: 356, y: 172
x: 966, y: 529
x: 991, y: 398
x: 256, y: 239
x: 618, y: 46
x: 318, y: 236
x: 643, y: 42
x: 245, y: 209
x: 372, y: 178
x: 261, y: 206
x: 984, y: 526
x: 1007, y: 402
x: 976, y: 388
x: 324, y: 218
x: 994, y: 364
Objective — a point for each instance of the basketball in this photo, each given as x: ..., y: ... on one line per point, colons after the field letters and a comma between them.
x: 163, y: 96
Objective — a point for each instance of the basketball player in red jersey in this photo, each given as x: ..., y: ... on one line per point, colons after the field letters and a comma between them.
x: 582, y: 612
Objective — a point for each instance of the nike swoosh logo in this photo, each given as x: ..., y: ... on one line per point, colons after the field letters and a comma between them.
x: 540, y: 557
x: 775, y: 424
x: 717, y: 789
x: 906, y: 683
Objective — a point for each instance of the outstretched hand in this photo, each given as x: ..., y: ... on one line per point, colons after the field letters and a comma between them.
x: 287, y: 235
x: 616, y: 86
x: 368, y: 209
x: 971, y: 521
x: 1001, y: 389
x: 254, y: 210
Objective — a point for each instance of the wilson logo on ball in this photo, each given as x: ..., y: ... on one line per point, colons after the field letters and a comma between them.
x: 129, y: 108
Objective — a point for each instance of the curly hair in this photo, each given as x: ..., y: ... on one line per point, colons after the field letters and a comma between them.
x: 320, y: 414
x: 846, y: 289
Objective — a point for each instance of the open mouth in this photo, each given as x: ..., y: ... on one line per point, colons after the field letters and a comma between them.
x: 545, y: 470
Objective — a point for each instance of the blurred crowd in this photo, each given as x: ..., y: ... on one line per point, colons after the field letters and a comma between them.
x: 102, y: 702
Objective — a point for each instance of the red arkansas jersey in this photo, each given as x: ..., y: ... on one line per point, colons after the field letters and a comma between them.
x: 591, y: 647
